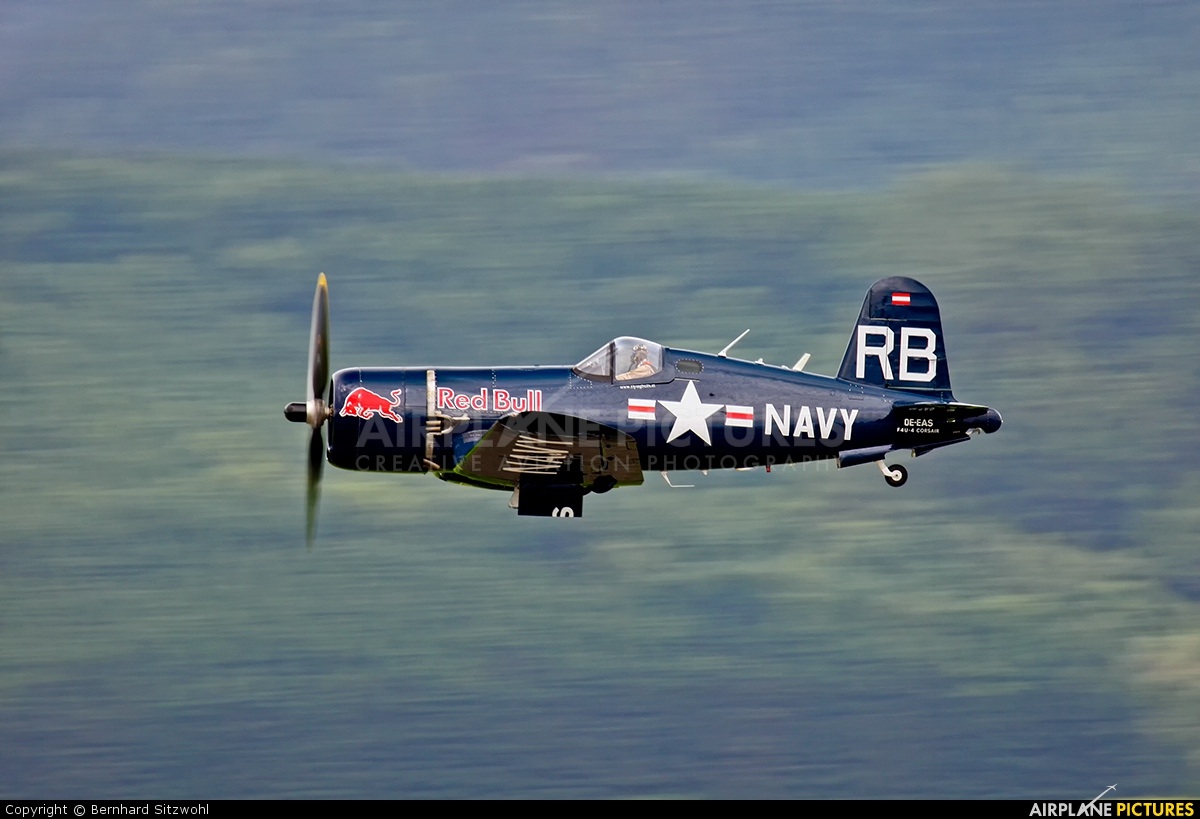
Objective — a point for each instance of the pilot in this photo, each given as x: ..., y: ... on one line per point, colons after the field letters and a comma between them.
x: 639, y: 365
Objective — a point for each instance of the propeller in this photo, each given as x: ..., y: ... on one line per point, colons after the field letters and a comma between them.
x: 315, y: 410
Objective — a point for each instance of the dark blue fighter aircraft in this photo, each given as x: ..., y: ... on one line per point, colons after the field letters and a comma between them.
x: 552, y: 434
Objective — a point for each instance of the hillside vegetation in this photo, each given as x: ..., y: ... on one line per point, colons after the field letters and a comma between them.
x: 1024, y: 614
x: 821, y: 92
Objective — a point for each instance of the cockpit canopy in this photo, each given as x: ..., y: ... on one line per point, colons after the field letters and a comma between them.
x: 622, y: 359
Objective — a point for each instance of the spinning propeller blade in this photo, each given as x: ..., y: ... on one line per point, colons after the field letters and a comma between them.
x: 316, y: 461
x: 318, y: 343
x: 314, y: 410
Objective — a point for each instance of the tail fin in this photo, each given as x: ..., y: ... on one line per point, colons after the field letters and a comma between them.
x: 897, y: 342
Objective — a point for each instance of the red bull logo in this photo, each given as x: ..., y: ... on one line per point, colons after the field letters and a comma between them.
x: 362, y: 403
x: 495, y: 400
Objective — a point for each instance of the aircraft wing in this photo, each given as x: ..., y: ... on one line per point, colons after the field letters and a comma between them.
x: 552, y: 459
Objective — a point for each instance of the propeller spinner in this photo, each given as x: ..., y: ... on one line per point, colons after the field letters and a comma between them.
x: 315, y: 410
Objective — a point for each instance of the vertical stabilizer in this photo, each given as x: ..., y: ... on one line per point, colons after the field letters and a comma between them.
x: 898, y: 342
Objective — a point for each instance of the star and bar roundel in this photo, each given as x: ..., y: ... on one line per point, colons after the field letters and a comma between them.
x: 691, y: 414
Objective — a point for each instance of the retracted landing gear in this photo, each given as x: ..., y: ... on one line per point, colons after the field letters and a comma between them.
x: 894, y: 475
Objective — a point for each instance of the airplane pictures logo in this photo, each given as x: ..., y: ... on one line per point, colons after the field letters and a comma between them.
x: 1138, y: 809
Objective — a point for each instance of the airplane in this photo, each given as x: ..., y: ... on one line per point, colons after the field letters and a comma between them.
x: 550, y: 435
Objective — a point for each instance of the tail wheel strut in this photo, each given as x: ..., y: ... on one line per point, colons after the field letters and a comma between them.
x: 894, y: 475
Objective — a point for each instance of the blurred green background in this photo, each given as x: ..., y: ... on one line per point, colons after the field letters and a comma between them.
x: 517, y: 184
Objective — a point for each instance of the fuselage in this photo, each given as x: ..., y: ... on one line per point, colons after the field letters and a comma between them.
x: 699, y: 411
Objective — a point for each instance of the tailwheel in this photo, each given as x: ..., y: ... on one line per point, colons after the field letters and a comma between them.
x: 894, y: 475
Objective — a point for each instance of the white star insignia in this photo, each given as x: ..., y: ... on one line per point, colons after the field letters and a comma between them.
x: 691, y: 415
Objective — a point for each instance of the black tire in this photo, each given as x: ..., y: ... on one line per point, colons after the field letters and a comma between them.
x: 896, y: 481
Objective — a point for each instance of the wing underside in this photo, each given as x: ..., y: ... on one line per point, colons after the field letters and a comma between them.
x: 551, y: 460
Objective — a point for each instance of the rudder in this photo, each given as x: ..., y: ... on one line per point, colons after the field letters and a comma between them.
x: 897, y: 342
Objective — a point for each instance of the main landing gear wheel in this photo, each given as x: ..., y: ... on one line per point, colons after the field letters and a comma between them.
x: 894, y: 475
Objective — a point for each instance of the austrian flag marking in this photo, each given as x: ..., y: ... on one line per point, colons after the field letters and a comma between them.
x: 736, y: 416
x: 642, y: 409
x: 902, y: 299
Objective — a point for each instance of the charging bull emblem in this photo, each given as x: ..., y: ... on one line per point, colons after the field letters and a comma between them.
x: 362, y: 403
